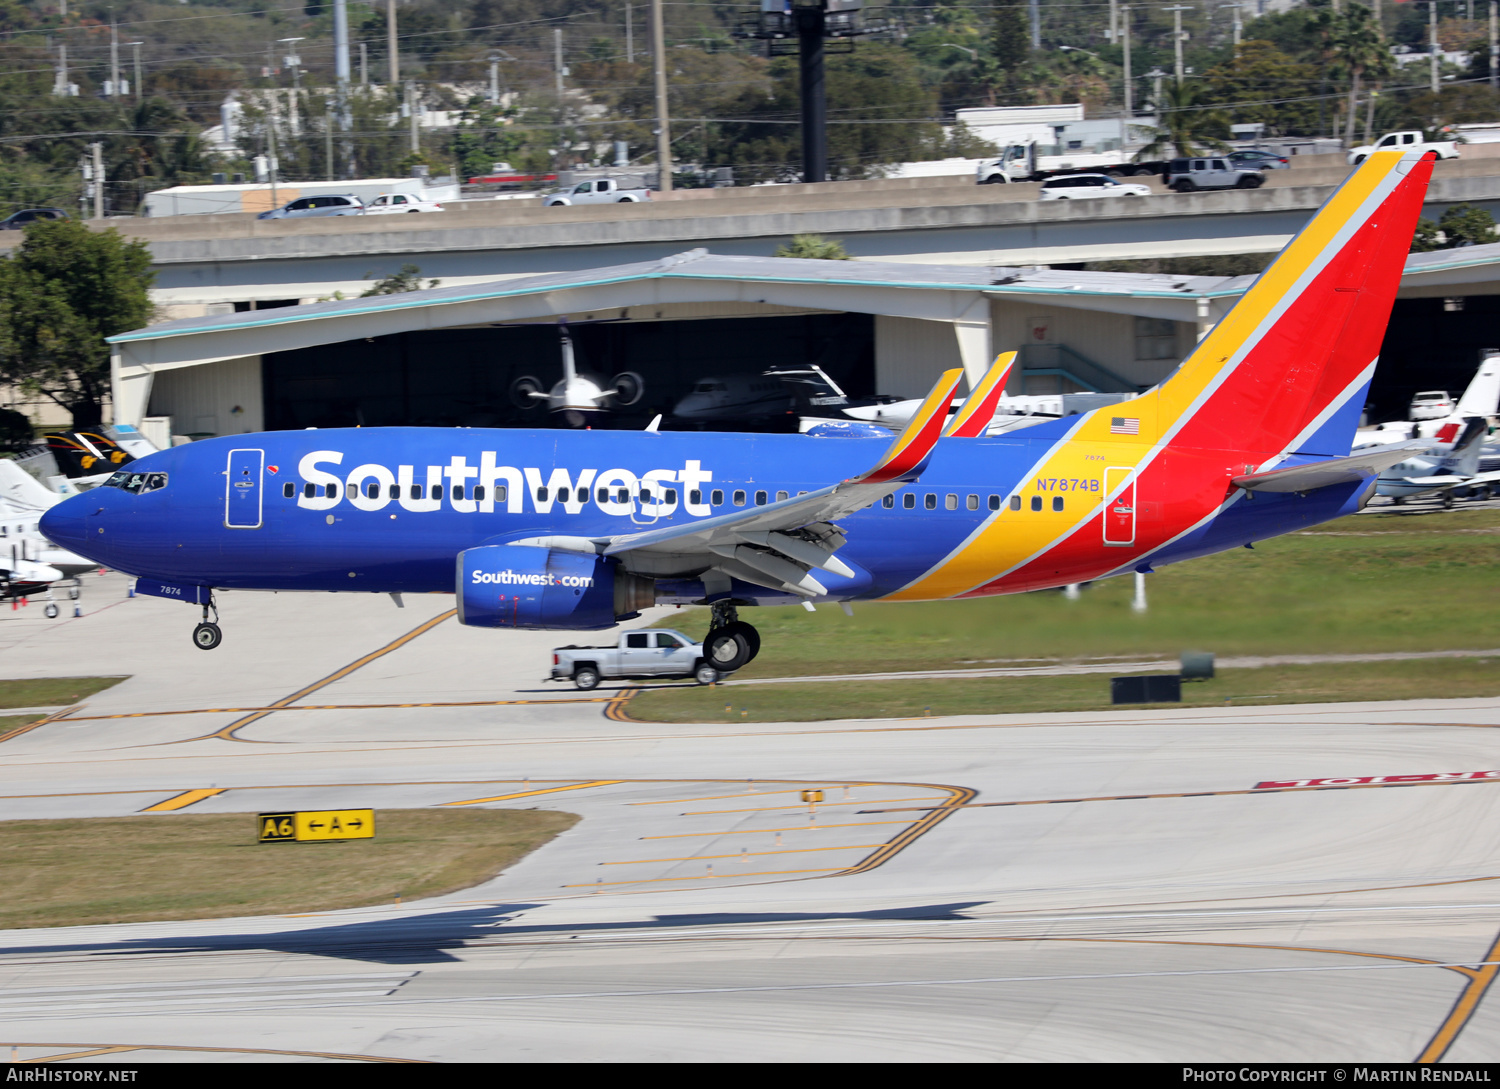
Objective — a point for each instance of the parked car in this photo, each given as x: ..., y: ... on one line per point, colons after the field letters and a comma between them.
x: 601, y: 191
x: 17, y: 220
x: 1087, y: 186
x: 1253, y: 158
x: 313, y: 207
x: 1411, y: 140
x: 1188, y: 175
x: 1431, y: 404
x: 656, y: 652
x: 391, y: 203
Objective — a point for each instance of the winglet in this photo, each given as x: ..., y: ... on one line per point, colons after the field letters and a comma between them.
x: 979, y: 409
x: 909, y: 453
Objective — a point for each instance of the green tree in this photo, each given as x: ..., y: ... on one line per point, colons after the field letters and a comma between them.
x: 814, y: 247
x: 62, y: 292
x: 408, y: 279
x: 1461, y: 225
x: 1358, y: 48
x: 1264, y: 84
x: 1188, y: 124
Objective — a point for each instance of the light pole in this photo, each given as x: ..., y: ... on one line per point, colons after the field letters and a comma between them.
x: 1129, y: 79
x: 1238, y: 26
x: 495, y: 79
x: 663, y: 114
x: 136, y: 46
x: 294, y: 62
x: 1177, y: 37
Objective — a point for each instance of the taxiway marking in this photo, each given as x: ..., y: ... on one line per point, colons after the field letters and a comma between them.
x: 183, y: 800
x: 763, y: 831
x: 533, y: 793
x: 227, y: 733
x: 1480, y: 978
x: 744, y: 854
x: 1195, y: 794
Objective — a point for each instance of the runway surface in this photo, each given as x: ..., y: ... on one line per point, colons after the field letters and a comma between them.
x: 1111, y: 886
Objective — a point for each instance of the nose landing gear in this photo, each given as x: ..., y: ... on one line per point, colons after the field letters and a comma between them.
x: 730, y: 643
x: 206, y: 636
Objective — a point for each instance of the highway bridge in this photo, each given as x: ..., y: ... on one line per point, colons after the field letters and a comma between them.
x: 205, y: 263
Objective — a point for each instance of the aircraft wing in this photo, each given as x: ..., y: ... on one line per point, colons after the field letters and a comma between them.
x: 1323, y: 474
x: 777, y: 545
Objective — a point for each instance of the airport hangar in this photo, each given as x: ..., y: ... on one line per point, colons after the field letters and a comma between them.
x: 449, y: 356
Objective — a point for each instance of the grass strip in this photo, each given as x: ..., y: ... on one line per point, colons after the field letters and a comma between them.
x: 1335, y: 683
x: 52, y: 691
x: 181, y: 866
x: 1372, y: 582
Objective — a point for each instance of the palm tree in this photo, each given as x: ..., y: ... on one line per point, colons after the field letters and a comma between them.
x: 1187, y: 125
x: 1358, y: 47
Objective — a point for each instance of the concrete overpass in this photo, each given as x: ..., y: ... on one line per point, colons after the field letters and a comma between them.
x: 207, y: 263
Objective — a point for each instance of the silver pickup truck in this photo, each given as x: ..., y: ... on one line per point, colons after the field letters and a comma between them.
x: 657, y: 652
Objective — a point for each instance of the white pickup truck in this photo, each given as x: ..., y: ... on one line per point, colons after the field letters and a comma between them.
x: 656, y: 652
x: 1404, y: 141
x: 601, y: 191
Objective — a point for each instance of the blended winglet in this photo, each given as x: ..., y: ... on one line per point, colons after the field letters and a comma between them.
x: 909, y: 453
x: 979, y: 409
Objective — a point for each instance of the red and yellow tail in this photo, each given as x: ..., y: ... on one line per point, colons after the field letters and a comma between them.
x: 1283, y: 373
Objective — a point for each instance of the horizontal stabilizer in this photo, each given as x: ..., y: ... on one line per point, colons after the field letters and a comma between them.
x: 1324, y: 474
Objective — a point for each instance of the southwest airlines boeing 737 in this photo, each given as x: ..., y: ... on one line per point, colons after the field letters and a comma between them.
x: 577, y: 530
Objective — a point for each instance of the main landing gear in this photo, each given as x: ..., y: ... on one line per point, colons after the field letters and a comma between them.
x: 730, y: 643
x: 207, y: 635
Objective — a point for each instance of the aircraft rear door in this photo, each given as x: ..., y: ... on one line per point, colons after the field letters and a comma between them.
x: 243, y: 489
x: 1119, y: 511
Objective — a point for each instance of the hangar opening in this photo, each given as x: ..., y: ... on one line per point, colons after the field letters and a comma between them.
x: 468, y: 377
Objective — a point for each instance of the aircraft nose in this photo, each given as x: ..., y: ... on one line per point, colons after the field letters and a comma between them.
x: 66, y: 525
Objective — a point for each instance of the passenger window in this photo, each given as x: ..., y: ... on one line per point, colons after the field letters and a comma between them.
x: 636, y: 640
x: 478, y: 491
x: 501, y: 493
x: 437, y: 492
x: 351, y: 490
x: 908, y: 500
x: 671, y: 497
x: 416, y: 491
x: 372, y: 490
x: 603, y: 495
x: 541, y: 495
x: 394, y: 491
x: 622, y: 496
x: 716, y: 499
x: 667, y: 642
x: 562, y: 495
x: 1036, y: 502
x: 331, y: 491
x: 646, y: 495
x: 695, y: 497
x: 309, y: 490
x: 930, y: 501
x: 973, y: 502
x: 289, y: 489
x: 780, y: 496
x: 1015, y: 502
x: 888, y: 502
x: 739, y: 499
x: 760, y: 499
x: 458, y: 491
x: 1057, y: 502
x: 951, y: 501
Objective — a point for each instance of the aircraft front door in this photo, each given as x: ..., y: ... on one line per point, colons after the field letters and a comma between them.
x: 243, y: 489
x: 1119, y: 511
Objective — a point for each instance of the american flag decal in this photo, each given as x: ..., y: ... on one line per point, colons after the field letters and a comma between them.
x: 1124, y: 425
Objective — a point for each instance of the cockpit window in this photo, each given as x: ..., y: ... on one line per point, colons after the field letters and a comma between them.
x: 136, y: 482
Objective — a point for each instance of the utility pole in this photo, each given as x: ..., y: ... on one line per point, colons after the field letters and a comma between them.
x: 1034, y: 11
x: 1238, y: 26
x: 393, y: 57
x: 495, y: 80
x: 328, y: 140
x: 294, y: 62
x: 1177, y: 38
x: 60, y: 84
x: 1156, y: 75
x: 98, y: 179
x: 114, y: 61
x: 629, y: 37
x: 1129, y: 90
x: 663, y: 114
x: 364, y: 65
x: 1433, y: 47
x: 412, y: 103
x: 136, y: 46
x: 557, y: 64
x: 811, y: 23
x: 1114, y: 23
x: 1494, y: 47
x: 271, y: 142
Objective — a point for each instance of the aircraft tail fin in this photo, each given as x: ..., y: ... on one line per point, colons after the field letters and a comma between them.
x: 906, y: 457
x: 1463, y: 459
x: 1482, y: 398
x: 21, y: 492
x: 1285, y: 371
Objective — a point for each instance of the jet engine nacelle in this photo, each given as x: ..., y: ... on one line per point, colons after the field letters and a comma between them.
x: 523, y: 586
